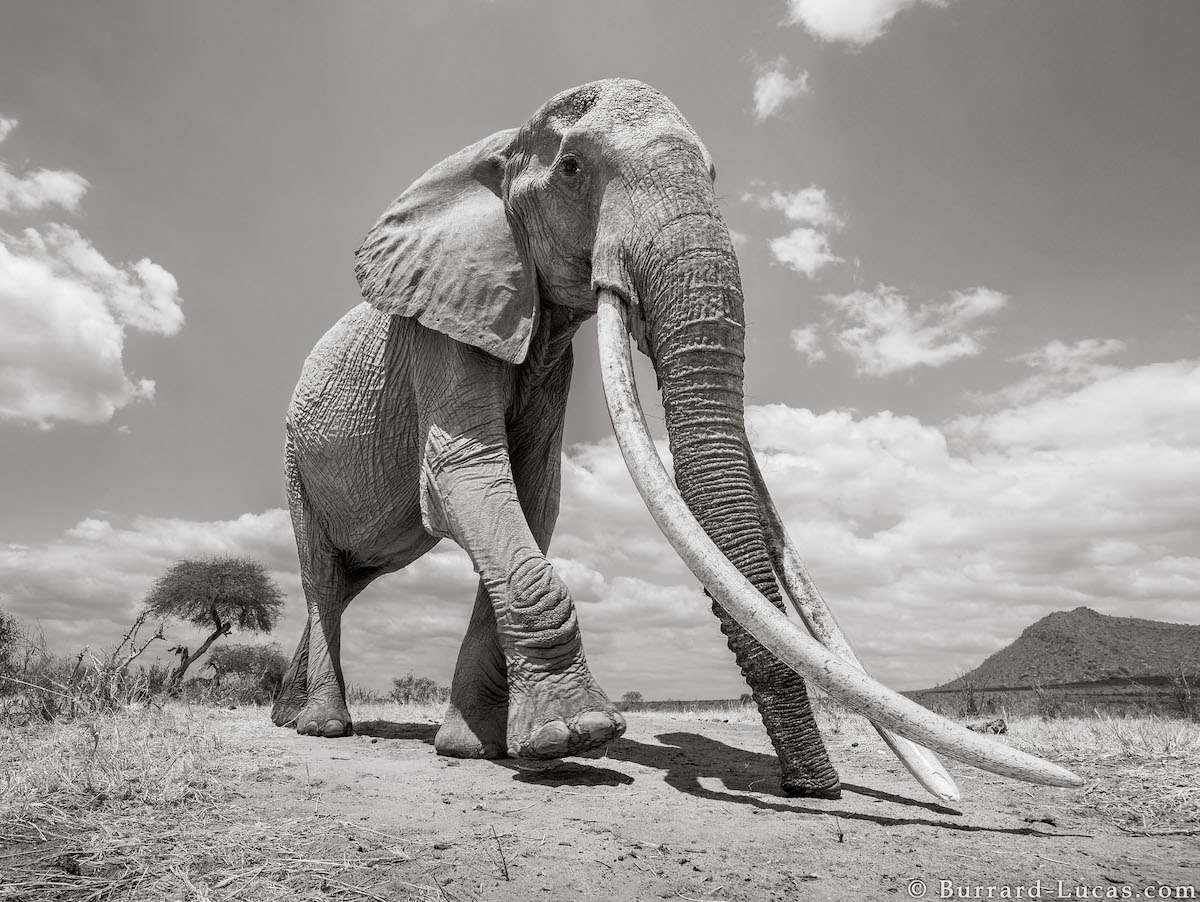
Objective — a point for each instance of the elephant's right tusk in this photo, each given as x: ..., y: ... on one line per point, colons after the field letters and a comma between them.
x: 806, y: 599
x: 779, y: 635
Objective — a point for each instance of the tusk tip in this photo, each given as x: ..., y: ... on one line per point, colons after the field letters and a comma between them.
x: 944, y: 790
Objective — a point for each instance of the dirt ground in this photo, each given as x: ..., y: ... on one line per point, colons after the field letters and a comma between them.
x: 686, y: 807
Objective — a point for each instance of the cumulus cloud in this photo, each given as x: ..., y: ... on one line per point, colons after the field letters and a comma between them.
x: 805, y: 249
x: 774, y: 87
x: 807, y: 341
x: 936, y: 543
x: 886, y: 334
x: 40, y: 188
x: 856, y: 22
x: 65, y: 313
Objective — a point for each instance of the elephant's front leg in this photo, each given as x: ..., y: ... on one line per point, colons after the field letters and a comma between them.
x: 555, y: 706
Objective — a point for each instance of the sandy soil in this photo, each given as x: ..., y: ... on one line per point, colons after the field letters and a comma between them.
x: 688, y: 808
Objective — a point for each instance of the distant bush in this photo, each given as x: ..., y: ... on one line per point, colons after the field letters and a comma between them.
x: 633, y: 697
x: 410, y: 689
x: 244, y: 674
x: 364, y: 695
x: 10, y: 635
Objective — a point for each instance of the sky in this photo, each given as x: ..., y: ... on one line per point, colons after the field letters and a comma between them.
x: 968, y: 233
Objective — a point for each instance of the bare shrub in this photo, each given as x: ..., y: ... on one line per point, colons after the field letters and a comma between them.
x: 968, y: 697
x: 48, y: 687
x: 1185, y: 690
x: 1047, y: 704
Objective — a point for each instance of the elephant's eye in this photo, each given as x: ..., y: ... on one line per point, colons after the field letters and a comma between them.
x: 569, y: 165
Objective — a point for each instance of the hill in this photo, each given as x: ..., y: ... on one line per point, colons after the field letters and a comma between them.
x: 1083, y: 646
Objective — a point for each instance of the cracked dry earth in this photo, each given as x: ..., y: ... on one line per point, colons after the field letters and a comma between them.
x: 687, y: 807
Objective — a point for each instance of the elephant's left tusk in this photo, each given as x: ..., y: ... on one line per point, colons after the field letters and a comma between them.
x: 806, y: 599
x: 789, y: 642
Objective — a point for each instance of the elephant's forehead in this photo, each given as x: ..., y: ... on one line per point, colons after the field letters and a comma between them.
x: 625, y: 110
x: 613, y: 101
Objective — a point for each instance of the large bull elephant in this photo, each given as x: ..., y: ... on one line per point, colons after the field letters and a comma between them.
x: 435, y: 410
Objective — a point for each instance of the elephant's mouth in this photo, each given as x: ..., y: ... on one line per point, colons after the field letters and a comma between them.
x: 827, y: 659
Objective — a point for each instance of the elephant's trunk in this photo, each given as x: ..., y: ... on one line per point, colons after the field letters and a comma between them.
x: 685, y: 284
x: 691, y: 295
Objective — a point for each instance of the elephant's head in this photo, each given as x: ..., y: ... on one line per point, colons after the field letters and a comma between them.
x: 605, y: 199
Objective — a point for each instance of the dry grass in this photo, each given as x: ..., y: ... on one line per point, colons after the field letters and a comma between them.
x: 1141, y: 771
x: 145, y: 804
x: 142, y: 805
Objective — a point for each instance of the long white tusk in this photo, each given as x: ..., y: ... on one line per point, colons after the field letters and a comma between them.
x: 806, y: 599
x: 779, y: 635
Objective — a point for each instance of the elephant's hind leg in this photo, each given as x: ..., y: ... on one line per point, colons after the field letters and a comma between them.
x: 476, y: 721
x: 293, y: 692
x: 328, y: 588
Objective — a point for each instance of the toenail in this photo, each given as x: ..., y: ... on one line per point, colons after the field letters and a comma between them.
x: 551, y: 738
x: 594, y: 724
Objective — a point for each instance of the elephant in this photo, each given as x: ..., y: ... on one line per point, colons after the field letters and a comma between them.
x: 434, y: 410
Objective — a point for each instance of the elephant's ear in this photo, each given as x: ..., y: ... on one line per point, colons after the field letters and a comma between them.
x: 444, y: 252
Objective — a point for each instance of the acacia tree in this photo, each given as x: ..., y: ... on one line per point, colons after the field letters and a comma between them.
x: 633, y: 697
x: 220, y: 593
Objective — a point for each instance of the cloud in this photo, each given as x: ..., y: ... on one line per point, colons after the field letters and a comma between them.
x: 38, y: 189
x: 65, y: 312
x: 886, y: 334
x: 936, y: 543
x: 1058, y: 366
x: 809, y: 205
x: 774, y: 87
x: 852, y: 21
x: 804, y: 249
x: 807, y: 341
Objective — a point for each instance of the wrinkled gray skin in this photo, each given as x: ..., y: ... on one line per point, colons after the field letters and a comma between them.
x: 435, y: 410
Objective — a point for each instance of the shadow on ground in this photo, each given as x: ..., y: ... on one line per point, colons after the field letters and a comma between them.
x: 687, y: 758
x: 389, y: 729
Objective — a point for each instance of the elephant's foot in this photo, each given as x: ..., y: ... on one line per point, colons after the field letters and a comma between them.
x: 556, y: 714
x: 805, y: 786
x: 285, y: 711
x: 481, y: 733
x: 328, y: 718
